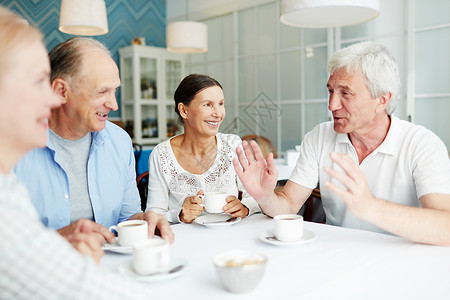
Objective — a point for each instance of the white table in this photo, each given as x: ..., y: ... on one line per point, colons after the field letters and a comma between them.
x: 340, y: 264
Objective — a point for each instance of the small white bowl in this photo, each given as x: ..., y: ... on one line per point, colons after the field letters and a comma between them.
x: 240, y: 271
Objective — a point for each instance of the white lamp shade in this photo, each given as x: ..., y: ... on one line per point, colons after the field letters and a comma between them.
x: 83, y: 17
x: 328, y: 13
x: 187, y: 37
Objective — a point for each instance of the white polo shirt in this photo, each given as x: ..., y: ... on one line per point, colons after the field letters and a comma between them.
x: 411, y: 162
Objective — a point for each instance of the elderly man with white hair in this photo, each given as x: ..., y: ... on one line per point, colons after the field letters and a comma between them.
x: 376, y: 172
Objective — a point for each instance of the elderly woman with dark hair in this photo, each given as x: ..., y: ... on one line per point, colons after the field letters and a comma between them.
x: 200, y: 160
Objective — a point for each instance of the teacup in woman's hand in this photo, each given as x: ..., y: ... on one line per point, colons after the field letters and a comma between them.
x: 215, y: 201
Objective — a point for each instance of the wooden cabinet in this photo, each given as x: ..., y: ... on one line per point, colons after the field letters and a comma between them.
x: 149, y: 78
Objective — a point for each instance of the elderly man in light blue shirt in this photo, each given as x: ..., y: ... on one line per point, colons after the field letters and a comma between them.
x: 87, y: 170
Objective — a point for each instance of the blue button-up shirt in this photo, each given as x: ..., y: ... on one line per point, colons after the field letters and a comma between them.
x: 111, y: 180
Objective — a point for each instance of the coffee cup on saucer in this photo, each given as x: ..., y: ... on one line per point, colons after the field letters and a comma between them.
x: 288, y: 227
x: 130, y: 232
x: 151, y: 256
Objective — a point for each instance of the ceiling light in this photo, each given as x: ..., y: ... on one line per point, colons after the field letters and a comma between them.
x: 187, y: 36
x: 327, y: 13
x: 83, y: 17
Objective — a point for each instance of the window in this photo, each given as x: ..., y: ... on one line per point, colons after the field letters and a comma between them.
x: 274, y: 76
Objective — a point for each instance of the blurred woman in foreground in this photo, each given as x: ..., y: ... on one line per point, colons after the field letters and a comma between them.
x: 36, y: 262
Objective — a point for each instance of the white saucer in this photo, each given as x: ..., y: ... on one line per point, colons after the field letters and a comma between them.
x: 308, y: 236
x: 219, y: 218
x: 128, y: 269
x: 116, y: 247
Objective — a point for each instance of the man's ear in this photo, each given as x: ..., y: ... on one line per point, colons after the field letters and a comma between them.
x: 383, y: 100
x: 59, y: 87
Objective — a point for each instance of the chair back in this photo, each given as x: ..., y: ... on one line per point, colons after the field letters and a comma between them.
x: 264, y: 143
x: 142, y: 185
x: 137, y: 153
x: 313, y: 211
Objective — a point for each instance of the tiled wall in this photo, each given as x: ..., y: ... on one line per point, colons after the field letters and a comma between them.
x: 127, y: 19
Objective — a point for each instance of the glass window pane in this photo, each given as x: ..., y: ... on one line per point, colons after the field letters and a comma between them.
x: 198, y: 58
x: 227, y: 42
x: 267, y: 27
x: 355, y: 31
x: 220, y: 38
x: 246, y: 31
x: 267, y: 79
x: 290, y: 126
x: 223, y: 72
x: 270, y: 132
x: 246, y: 80
x: 316, y: 75
x: 149, y: 121
x: 432, y: 61
x: 263, y: 113
x: 290, y: 75
x: 433, y: 114
x: 215, y: 39
x: 148, y: 78
x: 173, y: 77
x: 245, y: 122
x: 289, y: 36
x: 315, y: 36
x: 431, y: 12
x: 197, y: 69
x: 315, y: 113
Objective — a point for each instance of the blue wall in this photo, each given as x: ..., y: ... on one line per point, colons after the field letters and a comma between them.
x: 127, y: 19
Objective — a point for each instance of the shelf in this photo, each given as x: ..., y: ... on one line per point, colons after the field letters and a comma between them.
x: 150, y: 76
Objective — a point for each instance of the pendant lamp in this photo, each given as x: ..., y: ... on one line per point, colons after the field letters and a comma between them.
x: 327, y: 13
x: 187, y: 36
x: 83, y: 17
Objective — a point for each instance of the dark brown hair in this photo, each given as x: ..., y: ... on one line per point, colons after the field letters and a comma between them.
x: 190, y: 86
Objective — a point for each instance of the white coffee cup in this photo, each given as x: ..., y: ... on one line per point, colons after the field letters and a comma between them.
x: 288, y: 227
x: 151, y: 256
x: 214, y: 202
x: 130, y: 232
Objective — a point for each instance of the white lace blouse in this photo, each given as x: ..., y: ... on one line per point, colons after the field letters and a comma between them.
x: 170, y: 184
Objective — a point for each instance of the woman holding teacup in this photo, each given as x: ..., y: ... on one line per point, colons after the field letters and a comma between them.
x: 198, y: 161
x: 37, y: 262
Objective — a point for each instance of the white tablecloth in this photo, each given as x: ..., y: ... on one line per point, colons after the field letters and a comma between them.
x: 340, y: 264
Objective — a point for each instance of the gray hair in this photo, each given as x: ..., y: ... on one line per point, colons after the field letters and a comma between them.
x: 375, y: 63
x: 66, y: 58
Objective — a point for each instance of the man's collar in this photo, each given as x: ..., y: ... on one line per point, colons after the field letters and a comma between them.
x: 389, y: 143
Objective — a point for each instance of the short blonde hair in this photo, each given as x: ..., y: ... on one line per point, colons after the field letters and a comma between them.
x: 14, y: 32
